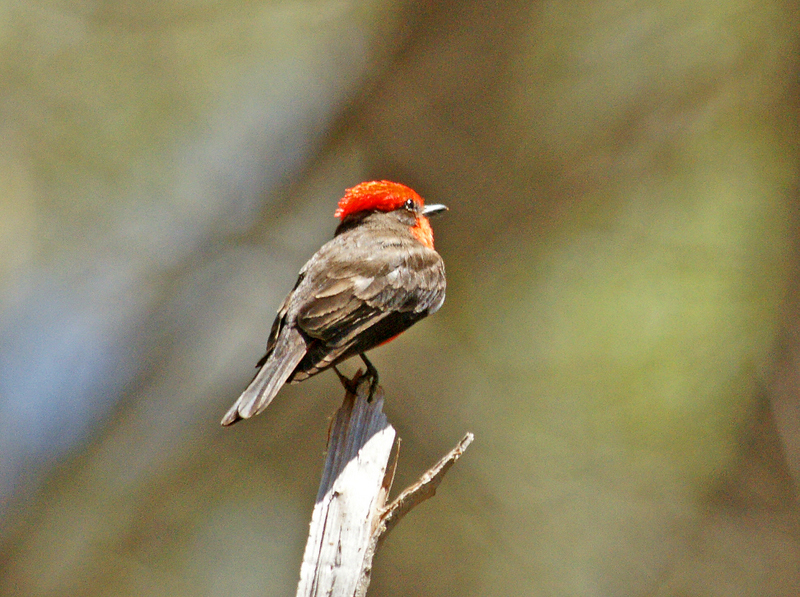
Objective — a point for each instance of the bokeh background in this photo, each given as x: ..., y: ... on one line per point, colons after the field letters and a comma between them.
x: 621, y: 331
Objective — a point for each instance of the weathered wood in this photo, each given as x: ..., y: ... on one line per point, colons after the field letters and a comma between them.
x: 350, y: 515
x: 350, y: 496
x: 420, y: 491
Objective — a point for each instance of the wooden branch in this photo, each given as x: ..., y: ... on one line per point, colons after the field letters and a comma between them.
x: 350, y: 493
x: 350, y: 516
x: 420, y: 491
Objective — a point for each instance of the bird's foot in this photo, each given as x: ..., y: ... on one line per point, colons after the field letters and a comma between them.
x: 373, y: 376
x: 350, y: 385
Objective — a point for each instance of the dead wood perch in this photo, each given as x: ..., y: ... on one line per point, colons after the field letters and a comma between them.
x: 350, y: 515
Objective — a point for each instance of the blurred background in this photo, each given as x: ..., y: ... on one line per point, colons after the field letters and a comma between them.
x: 621, y: 331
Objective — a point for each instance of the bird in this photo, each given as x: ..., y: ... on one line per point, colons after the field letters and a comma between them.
x: 374, y: 279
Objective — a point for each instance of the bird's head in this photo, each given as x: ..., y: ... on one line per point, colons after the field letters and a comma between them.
x: 386, y: 196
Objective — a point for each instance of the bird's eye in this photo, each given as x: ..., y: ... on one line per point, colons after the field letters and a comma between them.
x: 410, y: 205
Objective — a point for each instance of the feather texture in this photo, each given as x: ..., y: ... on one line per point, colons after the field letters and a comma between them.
x: 372, y: 281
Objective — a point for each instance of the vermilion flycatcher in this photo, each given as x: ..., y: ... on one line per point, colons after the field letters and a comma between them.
x: 377, y: 277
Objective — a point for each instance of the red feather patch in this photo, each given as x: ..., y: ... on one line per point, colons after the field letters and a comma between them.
x: 377, y: 194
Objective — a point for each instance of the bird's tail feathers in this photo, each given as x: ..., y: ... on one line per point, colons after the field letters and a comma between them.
x: 288, y: 352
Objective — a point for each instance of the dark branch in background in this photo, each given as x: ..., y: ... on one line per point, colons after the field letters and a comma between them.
x: 350, y: 516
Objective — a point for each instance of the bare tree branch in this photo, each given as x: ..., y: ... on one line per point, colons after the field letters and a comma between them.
x: 350, y: 516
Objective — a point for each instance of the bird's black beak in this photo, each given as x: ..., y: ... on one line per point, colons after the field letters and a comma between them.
x: 433, y: 209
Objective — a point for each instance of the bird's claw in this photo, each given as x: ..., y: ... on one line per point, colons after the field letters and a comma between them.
x: 374, y: 378
x: 350, y: 385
